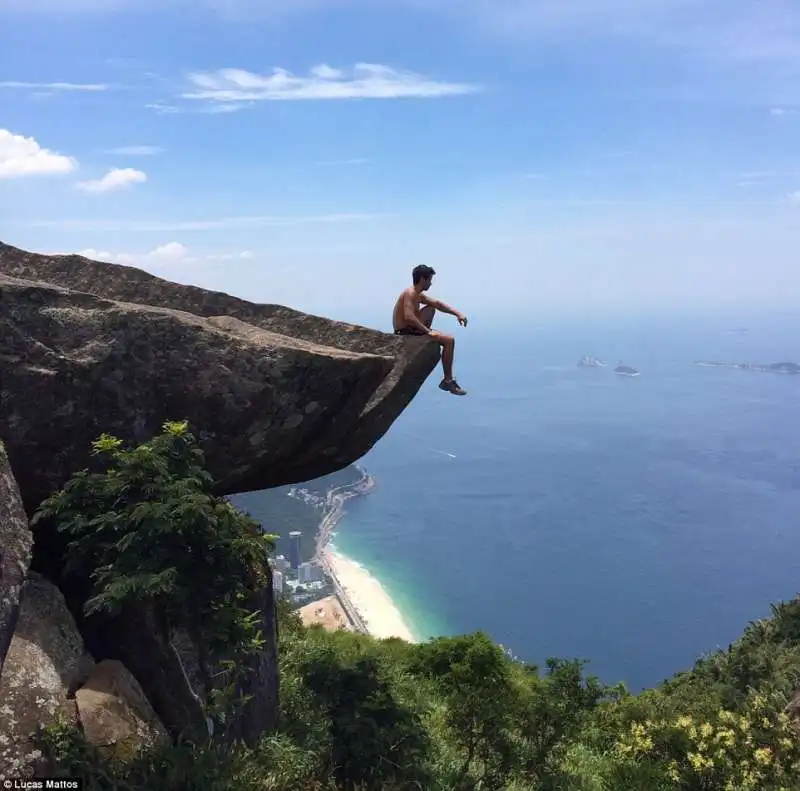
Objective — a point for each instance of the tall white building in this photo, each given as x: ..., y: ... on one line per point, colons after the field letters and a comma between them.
x: 277, y: 581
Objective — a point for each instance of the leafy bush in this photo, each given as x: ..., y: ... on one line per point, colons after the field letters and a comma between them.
x: 357, y: 714
x: 146, y: 530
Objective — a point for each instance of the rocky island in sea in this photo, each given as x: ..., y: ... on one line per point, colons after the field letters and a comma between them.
x: 771, y: 368
x: 588, y: 361
x: 626, y: 370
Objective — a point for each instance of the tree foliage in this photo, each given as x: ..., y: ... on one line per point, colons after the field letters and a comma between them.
x: 357, y: 714
x: 146, y: 530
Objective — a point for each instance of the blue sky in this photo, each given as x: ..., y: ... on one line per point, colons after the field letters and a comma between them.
x: 550, y: 157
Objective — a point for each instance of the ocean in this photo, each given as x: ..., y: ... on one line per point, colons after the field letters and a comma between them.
x: 570, y: 512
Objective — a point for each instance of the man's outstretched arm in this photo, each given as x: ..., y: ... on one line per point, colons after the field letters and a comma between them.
x: 444, y: 308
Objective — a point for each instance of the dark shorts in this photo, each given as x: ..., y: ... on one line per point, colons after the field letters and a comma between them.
x: 409, y: 331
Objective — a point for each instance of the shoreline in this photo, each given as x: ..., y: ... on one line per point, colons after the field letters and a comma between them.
x: 369, y: 608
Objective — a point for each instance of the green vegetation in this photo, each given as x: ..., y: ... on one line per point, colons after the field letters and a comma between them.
x: 145, y: 530
x: 453, y: 714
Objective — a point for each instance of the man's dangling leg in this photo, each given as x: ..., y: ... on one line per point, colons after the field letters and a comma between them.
x: 448, y: 353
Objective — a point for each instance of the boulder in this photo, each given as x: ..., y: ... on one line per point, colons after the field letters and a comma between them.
x: 275, y: 396
x: 45, y: 664
x: 160, y: 666
x: 115, y: 715
x: 16, y: 543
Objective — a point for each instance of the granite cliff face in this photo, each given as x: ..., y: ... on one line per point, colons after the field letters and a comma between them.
x: 16, y: 543
x: 274, y: 396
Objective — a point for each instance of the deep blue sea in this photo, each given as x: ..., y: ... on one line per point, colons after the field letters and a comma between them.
x: 634, y: 522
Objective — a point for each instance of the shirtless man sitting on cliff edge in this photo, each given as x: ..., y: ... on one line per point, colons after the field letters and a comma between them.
x: 410, y: 319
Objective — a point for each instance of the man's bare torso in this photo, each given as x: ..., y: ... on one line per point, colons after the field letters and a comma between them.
x: 399, y: 315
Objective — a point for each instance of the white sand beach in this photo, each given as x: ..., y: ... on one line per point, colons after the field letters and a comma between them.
x: 368, y: 597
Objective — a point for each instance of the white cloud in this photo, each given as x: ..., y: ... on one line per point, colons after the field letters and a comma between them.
x: 23, y: 156
x: 325, y: 72
x: 211, y: 109
x: 104, y: 255
x: 172, y: 251
x: 368, y: 81
x: 148, y: 226
x: 163, y: 109
x: 168, y: 253
x: 794, y: 197
x: 781, y: 111
x: 55, y: 86
x: 135, y: 151
x: 115, y: 179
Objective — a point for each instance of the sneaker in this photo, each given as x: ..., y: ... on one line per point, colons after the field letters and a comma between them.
x: 452, y: 387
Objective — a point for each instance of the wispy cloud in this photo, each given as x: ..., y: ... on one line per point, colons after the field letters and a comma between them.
x: 168, y: 253
x: 163, y: 109
x: 23, y: 156
x: 243, y: 255
x: 781, y: 111
x: 55, y: 86
x: 210, y: 109
x: 338, y: 162
x: 135, y: 151
x: 115, y: 179
x: 794, y: 197
x: 366, y: 81
x: 136, y: 226
x: 228, y: 107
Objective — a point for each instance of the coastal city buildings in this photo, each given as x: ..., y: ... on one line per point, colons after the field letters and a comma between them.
x: 294, y: 548
x: 281, y: 564
x: 309, y: 572
x: 308, y: 582
x: 304, y: 584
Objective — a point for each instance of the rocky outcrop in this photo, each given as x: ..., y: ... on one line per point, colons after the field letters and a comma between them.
x: 258, y: 714
x: 15, y: 553
x: 275, y: 396
x: 50, y: 678
x: 115, y: 715
x: 45, y: 665
x: 159, y: 664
